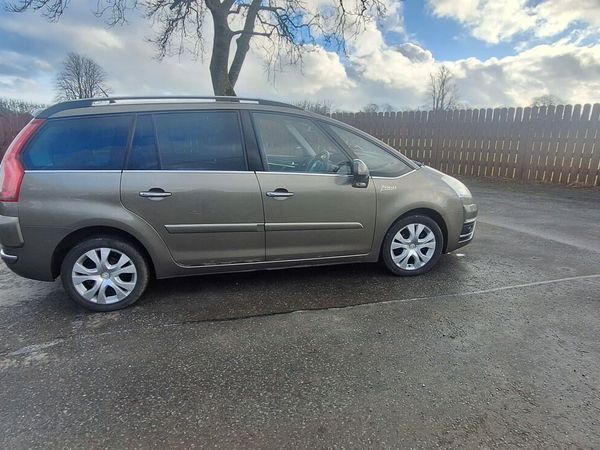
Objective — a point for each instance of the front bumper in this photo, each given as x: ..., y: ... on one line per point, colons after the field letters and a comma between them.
x: 468, y: 231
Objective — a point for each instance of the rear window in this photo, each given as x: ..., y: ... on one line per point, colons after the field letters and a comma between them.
x: 208, y: 140
x: 83, y: 143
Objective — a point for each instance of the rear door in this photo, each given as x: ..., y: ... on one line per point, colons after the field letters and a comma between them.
x: 187, y: 176
x: 311, y: 208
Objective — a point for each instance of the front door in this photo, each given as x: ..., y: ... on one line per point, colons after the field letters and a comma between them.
x: 311, y: 208
x: 186, y: 175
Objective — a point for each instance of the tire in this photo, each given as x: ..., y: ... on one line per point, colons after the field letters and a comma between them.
x: 406, y: 253
x: 104, y: 274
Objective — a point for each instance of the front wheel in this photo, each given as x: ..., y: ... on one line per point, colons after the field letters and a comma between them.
x: 104, y: 274
x: 412, y: 246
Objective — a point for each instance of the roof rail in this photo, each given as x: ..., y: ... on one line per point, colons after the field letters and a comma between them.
x: 88, y: 102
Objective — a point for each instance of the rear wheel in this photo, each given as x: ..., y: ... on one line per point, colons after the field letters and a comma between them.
x: 104, y: 274
x: 412, y: 246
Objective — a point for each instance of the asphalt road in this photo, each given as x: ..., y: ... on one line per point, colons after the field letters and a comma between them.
x: 499, y: 346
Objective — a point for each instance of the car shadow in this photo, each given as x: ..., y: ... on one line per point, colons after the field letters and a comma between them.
x: 231, y: 296
x: 46, y: 308
x: 248, y: 294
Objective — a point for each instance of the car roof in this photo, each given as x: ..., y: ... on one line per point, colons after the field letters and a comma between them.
x: 93, y: 106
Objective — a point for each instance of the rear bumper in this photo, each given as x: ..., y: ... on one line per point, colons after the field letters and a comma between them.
x: 10, y: 232
x: 7, y: 257
x: 11, y: 239
x: 26, y: 263
x: 34, y: 259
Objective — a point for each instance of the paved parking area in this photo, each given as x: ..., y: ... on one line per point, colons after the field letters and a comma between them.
x: 499, y: 346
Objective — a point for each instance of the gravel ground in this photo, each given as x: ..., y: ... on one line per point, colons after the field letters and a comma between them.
x: 499, y: 346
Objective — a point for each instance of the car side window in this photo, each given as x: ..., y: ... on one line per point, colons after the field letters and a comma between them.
x: 296, y: 144
x: 205, y: 140
x: 81, y: 143
x: 379, y: 161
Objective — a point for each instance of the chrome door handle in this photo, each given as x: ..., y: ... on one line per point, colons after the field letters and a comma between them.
x: 280, y: 195
x: 155, y: 194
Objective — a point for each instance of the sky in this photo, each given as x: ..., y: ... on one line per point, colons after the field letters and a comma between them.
x: 500, y: 53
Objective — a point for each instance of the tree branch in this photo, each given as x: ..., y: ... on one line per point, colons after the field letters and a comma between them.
x: 243, y: 42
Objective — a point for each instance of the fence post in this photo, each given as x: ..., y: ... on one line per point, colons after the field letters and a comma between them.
x: 437, y: 138
x: 595, y: 152
x: 525, y: 145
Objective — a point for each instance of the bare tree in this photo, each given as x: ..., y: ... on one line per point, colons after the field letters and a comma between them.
x: 442, y: 90
x: 322, y: 107
x: 374, y: 108
x: 547, y: 100
x: 80, y: 77
x: 14, y: 115
x: 16, y: 106
x: 284, y: 29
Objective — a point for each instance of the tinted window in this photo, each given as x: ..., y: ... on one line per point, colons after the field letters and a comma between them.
x: 294, y: 144
x: 200, y: 141
x: 144, y: 154
x: 380, y: 162
x: 85, y: 143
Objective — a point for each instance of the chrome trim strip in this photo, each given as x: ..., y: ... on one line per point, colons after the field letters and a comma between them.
x: 190, y: 171
x: 303, y: 226
x: 467, y: 237
x: 214, y: 228
x: 305, y: 173
x: 72, y: 171
x: 470, y: 220
x: 153, y: 194
x: 254, y: 227
x: 393, y: 178
x: 279, y: 195
x: 9, y: 259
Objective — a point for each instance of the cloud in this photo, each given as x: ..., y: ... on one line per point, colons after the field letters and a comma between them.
x: 557, y: 15
x: 488, y: 20
x: 414, y: 52
x: 399, y: 74
x: 131, y: 64
x: 562, y: 69
x: 31, y: 51
x: 493, y: 21
x: 18, y: 64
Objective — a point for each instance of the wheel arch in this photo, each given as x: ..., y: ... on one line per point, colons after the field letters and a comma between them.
x: 81, y: 234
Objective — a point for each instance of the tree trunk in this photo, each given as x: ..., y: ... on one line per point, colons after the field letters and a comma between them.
x: 219, y: 60
x: 243, y: 42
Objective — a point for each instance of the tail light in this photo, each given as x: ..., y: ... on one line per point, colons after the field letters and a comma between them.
x: 11, y: 169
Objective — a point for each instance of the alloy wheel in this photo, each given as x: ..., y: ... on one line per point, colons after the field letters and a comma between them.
x: 413, y: 246
x: 104, y: 275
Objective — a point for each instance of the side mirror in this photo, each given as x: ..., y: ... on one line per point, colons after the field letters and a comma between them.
x: 360, y: 173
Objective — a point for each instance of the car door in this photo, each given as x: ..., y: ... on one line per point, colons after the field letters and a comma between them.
x: 311, y: 208
x: 187, y: 176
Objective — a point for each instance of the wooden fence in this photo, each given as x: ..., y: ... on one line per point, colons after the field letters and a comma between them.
x: 551, y: 144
